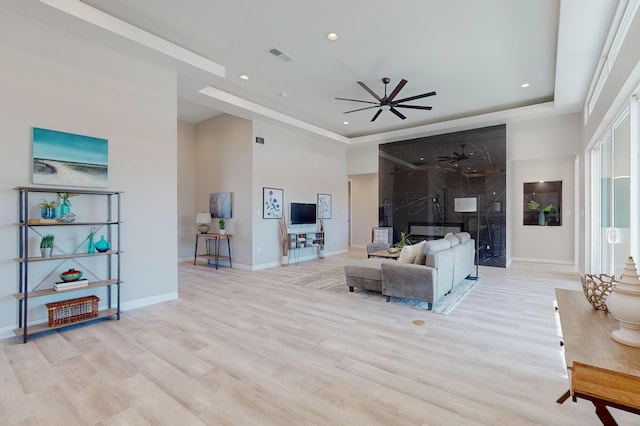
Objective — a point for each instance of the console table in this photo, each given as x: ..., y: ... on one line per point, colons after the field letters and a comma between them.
x: 601, y: 370
x: 215, y: 253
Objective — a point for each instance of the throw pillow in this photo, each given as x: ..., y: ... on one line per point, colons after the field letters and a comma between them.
x: 380, y: 236
x: 406, y: 255
x: 418, y: 249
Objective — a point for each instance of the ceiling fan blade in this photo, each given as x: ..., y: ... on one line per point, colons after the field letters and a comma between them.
x: 360, y: 109
x: 376, y: 115
x: 357, y: 100
x: 398, y: 113
x: 428, y: 108
x: 412, y: 98
x: 371, y: 92
x: 397, y: 89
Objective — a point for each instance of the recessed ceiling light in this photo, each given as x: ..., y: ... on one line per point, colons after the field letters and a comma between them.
x: 525, y: 85
x: 421, y: 158
x: 345, y: 122
x: 244, y: 77
x: 332, y: 36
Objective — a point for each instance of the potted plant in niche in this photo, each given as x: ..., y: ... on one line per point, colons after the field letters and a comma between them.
x: 535, y: 206
x: 222, y: 224
x: 46, y: 245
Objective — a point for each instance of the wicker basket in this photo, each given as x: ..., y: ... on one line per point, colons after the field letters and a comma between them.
x: 72, y: 310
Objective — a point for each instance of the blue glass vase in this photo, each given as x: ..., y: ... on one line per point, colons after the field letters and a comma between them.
x: 65, y: 207
x: 91, y: 246
x: 102, y: 245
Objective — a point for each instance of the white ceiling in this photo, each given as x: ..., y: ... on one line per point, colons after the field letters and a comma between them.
x: 474, y: 54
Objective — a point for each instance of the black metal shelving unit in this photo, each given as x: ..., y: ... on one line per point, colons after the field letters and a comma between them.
x: 27, y: 225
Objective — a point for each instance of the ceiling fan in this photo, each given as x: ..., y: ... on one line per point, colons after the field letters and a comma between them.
x: 455, y: 157
x: 388, y: 103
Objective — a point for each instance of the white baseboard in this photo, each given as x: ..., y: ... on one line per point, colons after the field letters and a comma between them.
x: 147, y: 301
x: 6, y: 332
x: 536, y: 260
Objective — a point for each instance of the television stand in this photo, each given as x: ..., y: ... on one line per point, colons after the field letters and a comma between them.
x: 299, y: 242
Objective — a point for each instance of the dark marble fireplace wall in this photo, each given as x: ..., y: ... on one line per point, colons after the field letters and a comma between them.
x: 420, y: 178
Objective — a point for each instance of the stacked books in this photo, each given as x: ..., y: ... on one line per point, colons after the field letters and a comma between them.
x: 60, y: 286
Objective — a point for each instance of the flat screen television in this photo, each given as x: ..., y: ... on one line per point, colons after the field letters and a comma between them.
x: 303, y: 213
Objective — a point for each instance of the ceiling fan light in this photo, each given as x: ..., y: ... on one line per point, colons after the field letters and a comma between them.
x: 385, y: 107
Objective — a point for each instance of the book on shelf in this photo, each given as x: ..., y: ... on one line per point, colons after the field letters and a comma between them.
x: 36, y: 221
x: 62, y: 285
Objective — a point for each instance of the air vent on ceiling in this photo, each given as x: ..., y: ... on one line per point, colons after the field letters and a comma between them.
x: 280, y: 54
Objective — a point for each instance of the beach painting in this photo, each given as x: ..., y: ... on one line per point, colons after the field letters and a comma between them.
x: 66, y: 159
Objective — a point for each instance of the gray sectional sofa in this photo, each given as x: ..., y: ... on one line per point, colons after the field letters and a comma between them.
x: 426, y: 271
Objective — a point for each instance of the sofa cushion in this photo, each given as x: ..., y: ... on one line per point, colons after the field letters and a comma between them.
x: 435, y: 246
x: 463, y: 236
x: 407, y: 255
x: 453, y: 240
x: 366, y: 269
x: 420, y: 255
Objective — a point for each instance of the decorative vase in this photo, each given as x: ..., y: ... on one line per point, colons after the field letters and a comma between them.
x: 102, y: 245
x: 45, y: 213
x: 91, y: 246
x: 541, y: 218
x: 65, y: 207
x: 71, y: 275
x: 284, y: 260
x: 624, y: 305
x: 46, y: 251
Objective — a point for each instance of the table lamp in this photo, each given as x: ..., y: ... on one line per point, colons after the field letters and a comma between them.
x: 203, y: 220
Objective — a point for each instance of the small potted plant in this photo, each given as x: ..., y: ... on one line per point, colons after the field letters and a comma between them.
x: 47, y: 209
x: 46, y: 245
x: 222, y: 224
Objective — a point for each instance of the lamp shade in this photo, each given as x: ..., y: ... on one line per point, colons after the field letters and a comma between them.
x: 465, y: 205
x: 203, y: 218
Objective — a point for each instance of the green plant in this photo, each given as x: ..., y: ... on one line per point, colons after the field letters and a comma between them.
x: 47, y: 241
x: 404, y: 240
x: 221, y: 223
x: 64, y: 196
x: 534, y: 205
x: 47, y: 204
x: 92, y: 234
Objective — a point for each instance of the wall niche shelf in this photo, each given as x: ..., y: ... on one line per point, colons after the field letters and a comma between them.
x: 28, y: 290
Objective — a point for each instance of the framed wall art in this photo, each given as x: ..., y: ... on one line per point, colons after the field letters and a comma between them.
x: 65, y: 159
x: 220, y: 205
x: 324, y: 206
x: 272, y: 203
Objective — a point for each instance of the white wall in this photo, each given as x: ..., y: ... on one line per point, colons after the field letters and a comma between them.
x: 186, y: 189
x: 53, y: 80
x: 362, y: 160
x: 542, y: 149
x: 303, y: 165
x: 364, y: 207
x: 223, y: 164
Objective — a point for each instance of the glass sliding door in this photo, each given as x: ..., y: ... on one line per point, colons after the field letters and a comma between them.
x: 611, y: 185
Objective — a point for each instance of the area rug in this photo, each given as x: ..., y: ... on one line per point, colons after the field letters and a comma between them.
x: 334, y: 280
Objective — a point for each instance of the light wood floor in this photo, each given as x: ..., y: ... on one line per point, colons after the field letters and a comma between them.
x: 250, y: 348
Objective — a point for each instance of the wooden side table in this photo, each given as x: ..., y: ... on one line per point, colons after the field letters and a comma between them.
x: 215, y: 253
x: 601, y: 370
